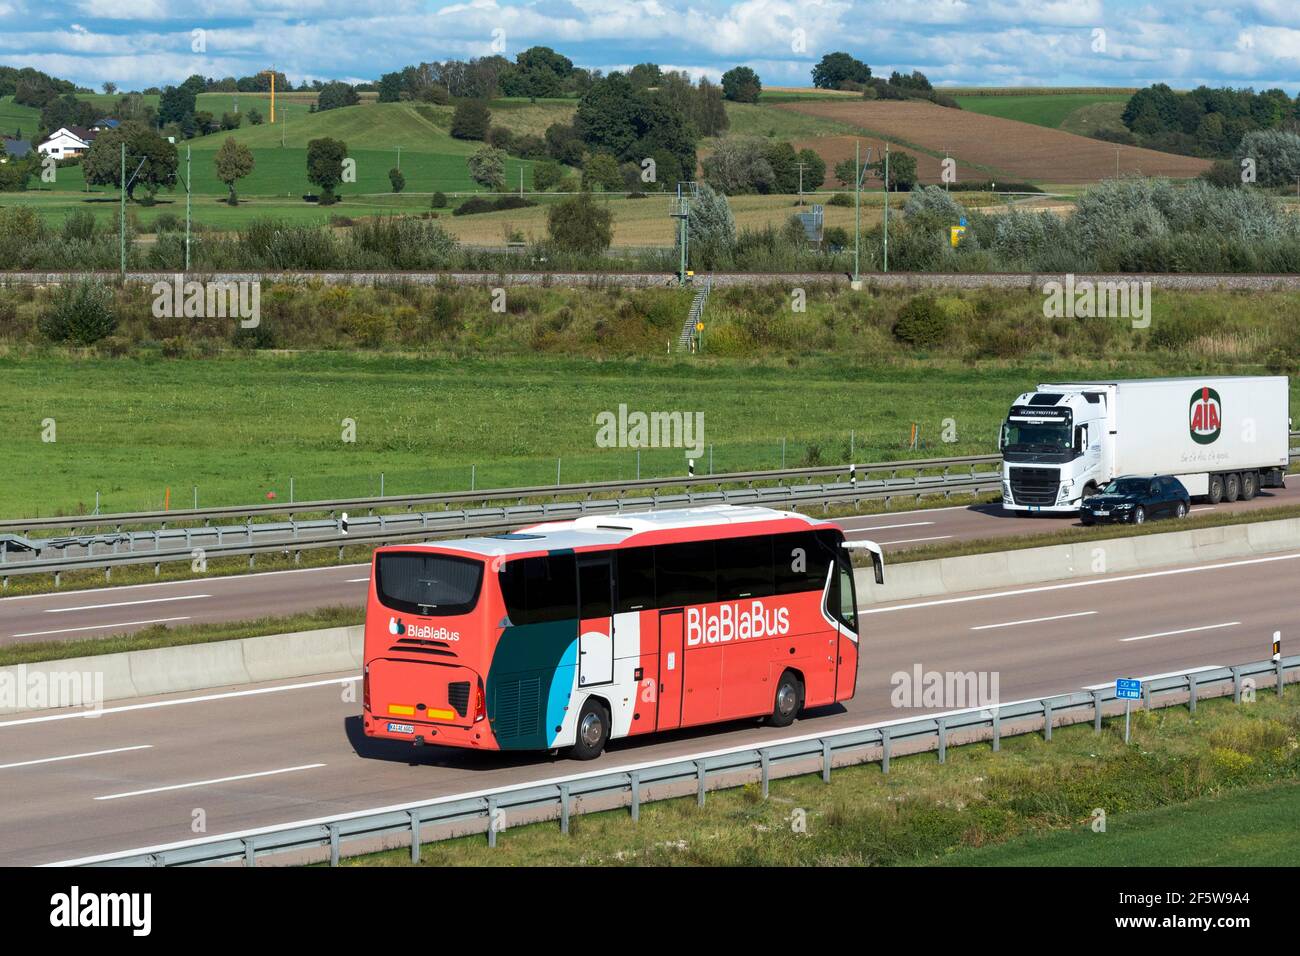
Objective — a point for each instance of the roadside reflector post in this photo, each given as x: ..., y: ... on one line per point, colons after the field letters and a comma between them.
x: 699, y: 773
x: 1047, y: 720
x: 884, y: 750
x: 765, y: 769
x: 334, y: 844
x: 564, y: 809
x: 415, y: 835
x: 1277, y: 659
x: 1096, y: 711
x: 636, y: 796
x: 1191, y: 693
x: 943, y: 740
x: 826, y: 761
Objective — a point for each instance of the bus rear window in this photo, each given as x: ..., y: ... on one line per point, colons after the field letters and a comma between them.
x: 429, y: 584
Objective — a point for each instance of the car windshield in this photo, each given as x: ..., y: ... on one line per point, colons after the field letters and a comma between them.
x: 1128, y: 486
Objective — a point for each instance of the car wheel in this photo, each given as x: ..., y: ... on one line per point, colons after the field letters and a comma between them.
x: 593, y: 731
x: 1086, y: 520
x: 1139, y: 515
x: 1232, y: 487
x: 1215, y: 494
x: 1249, y: 485
x: 1180, y: 511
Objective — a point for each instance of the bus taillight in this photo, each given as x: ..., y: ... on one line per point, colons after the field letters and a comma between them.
x: 480, y: 706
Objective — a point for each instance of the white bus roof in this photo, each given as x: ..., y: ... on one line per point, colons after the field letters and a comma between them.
x: 611, y: 529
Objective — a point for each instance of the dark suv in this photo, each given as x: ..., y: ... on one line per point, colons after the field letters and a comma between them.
x: 1136, y: 499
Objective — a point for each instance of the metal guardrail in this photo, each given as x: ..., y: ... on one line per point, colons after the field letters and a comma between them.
x: 445, y: 498
x: 250, y: 539
x: 489, y: 810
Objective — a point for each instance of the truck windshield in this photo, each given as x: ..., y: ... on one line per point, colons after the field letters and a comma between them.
x: 431, y: 584
x: 1035, y: 436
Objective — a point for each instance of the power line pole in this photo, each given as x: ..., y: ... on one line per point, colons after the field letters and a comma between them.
x: 801, y: 166
x: 857, y: 211
x: 886, y: 269
x: 121, y: 227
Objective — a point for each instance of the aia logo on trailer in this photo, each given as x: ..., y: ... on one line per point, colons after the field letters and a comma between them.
x: 1205, y: 416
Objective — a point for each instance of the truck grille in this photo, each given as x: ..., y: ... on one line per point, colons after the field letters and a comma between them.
x: 458, y: 696
x: 1035, y: 486
x: 517, y: 712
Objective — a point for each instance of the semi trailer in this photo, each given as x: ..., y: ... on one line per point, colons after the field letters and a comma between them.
x: 1223, y: 437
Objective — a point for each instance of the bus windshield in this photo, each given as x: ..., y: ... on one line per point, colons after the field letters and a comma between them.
x: 431, y: 584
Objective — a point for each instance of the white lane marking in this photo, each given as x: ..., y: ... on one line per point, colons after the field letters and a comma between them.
x: 205, y: 582
x: 937, y: 537
x: 1191, y: 670
x: 1078, y: 584
x: 886, y: 527
x: 1185, y: 630
x: 356, y: 580
x: 208, y: 783
x: 97, y: 607
x: 184, y: 700
x: 92, y: 753
x: 1194, y: 510
x: 100, y: 627
x: 1032, y: 620
x: 899, y: 514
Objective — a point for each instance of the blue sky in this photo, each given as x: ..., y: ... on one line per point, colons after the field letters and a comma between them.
x: 138, y: 43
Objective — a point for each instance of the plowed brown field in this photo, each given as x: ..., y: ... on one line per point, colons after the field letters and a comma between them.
x: 1003, y: 147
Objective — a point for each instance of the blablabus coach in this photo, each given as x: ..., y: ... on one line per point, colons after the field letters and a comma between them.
x: 569, y: 634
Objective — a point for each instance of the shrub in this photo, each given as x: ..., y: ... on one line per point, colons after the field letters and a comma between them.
x: 921, y: 323
x: 439, y: 200
x: 578, y: 224
x: 470, y: 120
x: 81, y: 312
x: 840, y: 199
x: 397, y: 179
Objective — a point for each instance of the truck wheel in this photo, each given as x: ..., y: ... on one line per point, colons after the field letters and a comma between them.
x: 1232, y: 487
x: 1249, y: 485
x: 787, y: 701
x: 1140, y: 515
x: 593, y: 731
x: 1215, y: 494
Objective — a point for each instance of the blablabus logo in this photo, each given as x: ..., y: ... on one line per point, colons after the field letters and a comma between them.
x: 428, y: 631
x: 74, y: 909
x: 1205, y: 416
x: 735, y: 622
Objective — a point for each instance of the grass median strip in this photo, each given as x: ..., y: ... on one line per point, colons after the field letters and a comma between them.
x: 1218, y: 787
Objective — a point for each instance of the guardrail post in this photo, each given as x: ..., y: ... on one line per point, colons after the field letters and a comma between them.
x: 764, y: 770
x: 1280, y: 681
x: 699, y: 793
x: 826, y: 761
x: 1047, y: 720
x: 1146, y: 695
x: 636, y: 796
x: 250, y: 853
x: 1236, y: 684
x: 943, y: 740
x: 997, y: 729
x: 415, y: 835
x: 884, y: 750
x: 1191, y: 693
x: 334, y: 844
x: 1096, y: 711
x: 492, y: 821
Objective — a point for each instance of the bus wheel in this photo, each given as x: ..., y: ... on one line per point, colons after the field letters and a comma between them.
x: 593, y: 731
x: 788, y: 700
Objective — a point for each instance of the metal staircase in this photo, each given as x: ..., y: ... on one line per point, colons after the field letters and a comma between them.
x: 687, y: 339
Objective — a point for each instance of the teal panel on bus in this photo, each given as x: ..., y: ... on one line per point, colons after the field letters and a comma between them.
x: 530, y: 681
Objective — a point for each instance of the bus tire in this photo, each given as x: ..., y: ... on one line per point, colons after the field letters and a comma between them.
x: 592, y: 732
x: 787, y: 701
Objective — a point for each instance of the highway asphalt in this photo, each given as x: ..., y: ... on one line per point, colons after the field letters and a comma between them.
x: 118, y: 610
x: 142, y: 773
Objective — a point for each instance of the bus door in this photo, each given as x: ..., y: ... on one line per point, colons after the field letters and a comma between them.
x: 671, y: 664
x: 595, y: 619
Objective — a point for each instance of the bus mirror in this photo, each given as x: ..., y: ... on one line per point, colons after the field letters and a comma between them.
x: 877, y: 556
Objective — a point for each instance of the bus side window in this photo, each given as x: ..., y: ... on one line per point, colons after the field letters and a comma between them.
x: 685, y: 574
x: 744, y: 567
x: 636, y: 579
x: 537, y: 590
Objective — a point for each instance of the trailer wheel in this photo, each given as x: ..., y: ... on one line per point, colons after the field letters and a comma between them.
x: 1249, y: 485
x: 1232, y: 487
x: 1215, y: 494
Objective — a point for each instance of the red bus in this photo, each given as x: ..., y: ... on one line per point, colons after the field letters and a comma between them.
x: 569, y: 634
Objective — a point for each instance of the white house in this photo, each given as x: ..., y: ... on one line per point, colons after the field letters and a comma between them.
x: 66, y: 141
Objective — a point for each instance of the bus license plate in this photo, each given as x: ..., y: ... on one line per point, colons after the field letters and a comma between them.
x: 401, y: 729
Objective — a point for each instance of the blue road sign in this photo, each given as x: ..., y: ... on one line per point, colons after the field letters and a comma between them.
x: 1127, y: 689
